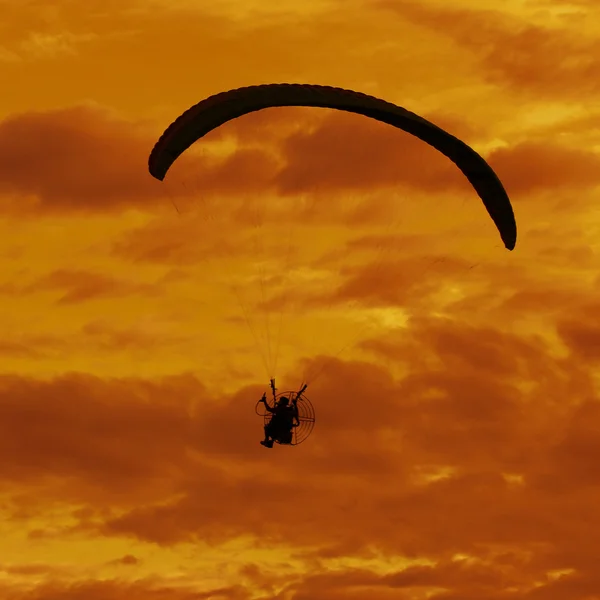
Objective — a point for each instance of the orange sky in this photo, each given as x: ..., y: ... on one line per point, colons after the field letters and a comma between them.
x: 456, y: 449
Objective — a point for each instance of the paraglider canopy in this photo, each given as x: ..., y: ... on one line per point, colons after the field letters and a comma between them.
x: 220, y: 108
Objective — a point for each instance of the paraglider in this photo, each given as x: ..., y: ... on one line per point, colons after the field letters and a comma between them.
x: 290, y: 419
x: 216, y: 110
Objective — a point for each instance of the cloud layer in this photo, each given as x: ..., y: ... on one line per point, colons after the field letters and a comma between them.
x: 455, y: 385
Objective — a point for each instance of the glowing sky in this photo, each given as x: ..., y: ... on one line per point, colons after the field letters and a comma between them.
x: 457, y: 445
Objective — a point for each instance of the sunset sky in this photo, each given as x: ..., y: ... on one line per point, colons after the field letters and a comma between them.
x: 456, y: 453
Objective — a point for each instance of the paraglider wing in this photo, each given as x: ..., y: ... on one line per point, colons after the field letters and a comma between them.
x: 220, y: 108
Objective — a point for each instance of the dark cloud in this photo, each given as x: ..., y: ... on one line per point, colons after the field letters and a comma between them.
x: 127, y: 560
x: 473, y: 449
x: 86, y: 159
x: 582, y: 336
x: 80, y: 286
x: 149, y: 589
x: 76, y: 159
x: 538, y: 166
x: 459, y: 408
x: 350, y: 152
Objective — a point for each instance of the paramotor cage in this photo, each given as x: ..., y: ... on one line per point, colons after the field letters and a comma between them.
x: 306, y: 417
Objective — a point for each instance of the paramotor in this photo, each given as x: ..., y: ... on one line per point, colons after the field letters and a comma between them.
x: 305, y: 415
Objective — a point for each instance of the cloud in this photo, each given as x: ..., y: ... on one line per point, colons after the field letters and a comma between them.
x: 80, y: 159
x: 126, y: 560
x: 16, y: 349
x: 454, y: 453
x: 531, y: 167
x: 547, y: 61
x: 350, y: 152
x: 399, y: 282
x: 147, y: 335
x: 149, y: 589
x: 84, y: 159
x: 183, y: 242
x: 81, y: 286
x: 581, y: 335
x: 46, y: 429
x: 43, y: 45
x: 458, y: 456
